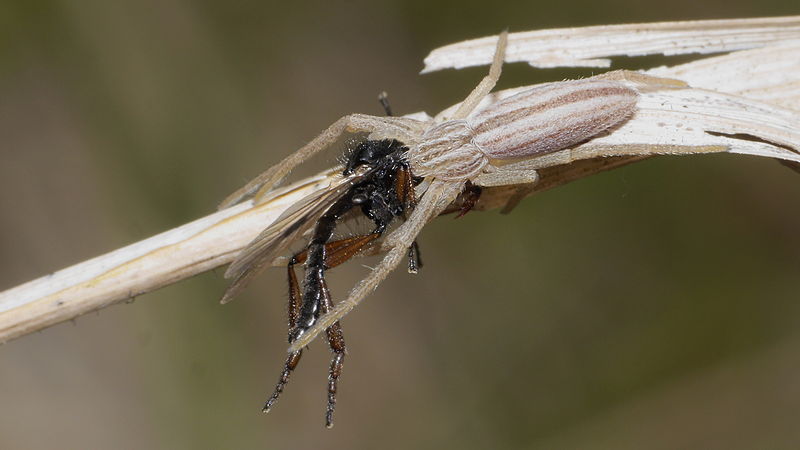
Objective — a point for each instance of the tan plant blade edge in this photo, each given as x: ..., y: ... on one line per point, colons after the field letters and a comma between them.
x: 592, y: 46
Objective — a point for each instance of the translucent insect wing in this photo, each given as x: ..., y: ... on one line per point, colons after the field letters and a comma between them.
x: 281, y: 234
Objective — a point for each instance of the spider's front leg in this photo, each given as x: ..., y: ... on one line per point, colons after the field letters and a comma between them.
x: 400, y: 128
x: 487, y: 83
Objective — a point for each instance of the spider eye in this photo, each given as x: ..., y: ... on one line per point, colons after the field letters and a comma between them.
x: 359, y: 199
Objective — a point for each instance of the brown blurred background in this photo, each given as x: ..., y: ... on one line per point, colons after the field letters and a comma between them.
x: 653, y: 306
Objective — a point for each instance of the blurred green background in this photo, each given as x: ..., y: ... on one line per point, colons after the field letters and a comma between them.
x: 654, y: 306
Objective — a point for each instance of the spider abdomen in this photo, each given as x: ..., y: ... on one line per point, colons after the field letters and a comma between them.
x: 550, y: 117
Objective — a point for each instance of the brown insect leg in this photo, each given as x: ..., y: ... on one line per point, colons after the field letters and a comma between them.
x: 470, y: 195
x: 414, y: 258
x: 404, y: 186
x: 336, y: 342
x: 337, y: 252
x: 294, y: 358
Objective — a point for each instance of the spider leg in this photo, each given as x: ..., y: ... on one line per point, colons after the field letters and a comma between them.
x: 487, y: 83
x: 436, y: 199
x: 267, y: 180
x: 507, y: 177
x: 352, y: 122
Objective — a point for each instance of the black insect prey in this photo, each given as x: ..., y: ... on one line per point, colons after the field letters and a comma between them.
x: 385, y: 193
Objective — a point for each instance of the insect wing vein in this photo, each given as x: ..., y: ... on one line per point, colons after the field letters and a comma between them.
x: 283, y: 232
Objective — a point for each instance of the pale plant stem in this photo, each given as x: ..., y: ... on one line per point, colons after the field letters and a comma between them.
x: 144, y: 266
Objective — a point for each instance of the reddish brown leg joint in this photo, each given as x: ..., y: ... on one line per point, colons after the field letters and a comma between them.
x: 294, y: 358
x: 336, y: 342
x: 471, y: 195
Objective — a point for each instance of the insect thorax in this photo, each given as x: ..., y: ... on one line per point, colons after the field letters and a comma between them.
x: 374, y: 153
x: 446, y: 152
x: 377, y: 194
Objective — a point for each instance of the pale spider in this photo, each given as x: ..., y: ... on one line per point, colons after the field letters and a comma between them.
x: 493, y: 146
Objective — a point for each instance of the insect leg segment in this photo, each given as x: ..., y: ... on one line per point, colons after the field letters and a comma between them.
x: 414, y: 258
x: 336, y: 343
x: 288, y: 367
x: 383, y: 98
x: 294, y: 358
x: 336, y: 253
x: 404, y: 186
x: 315, y: 264
x: 304, y: 308
x: 471, y: 195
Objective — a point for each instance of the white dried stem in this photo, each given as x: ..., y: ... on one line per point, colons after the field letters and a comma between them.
x: 770, y: 74
x: 147, y: 265
x: 591, y: 46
